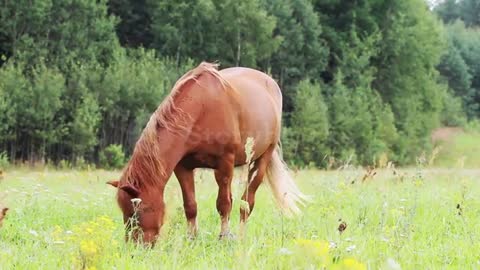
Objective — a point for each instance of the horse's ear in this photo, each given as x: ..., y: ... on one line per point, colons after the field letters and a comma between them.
x: 113, y: 183
x: 4, y: 211
x: 131, y: 190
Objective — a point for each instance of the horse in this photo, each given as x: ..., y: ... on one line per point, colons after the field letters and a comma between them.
x: 205, y: 122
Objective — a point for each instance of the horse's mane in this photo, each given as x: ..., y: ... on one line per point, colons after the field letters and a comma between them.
x: 145, y: 167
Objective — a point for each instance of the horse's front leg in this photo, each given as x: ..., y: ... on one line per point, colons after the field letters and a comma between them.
x: 186, y: 179
x: 224, y: 175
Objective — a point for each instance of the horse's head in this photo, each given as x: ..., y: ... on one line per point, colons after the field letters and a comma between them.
x: 3, y: 213
x: 143, y: 211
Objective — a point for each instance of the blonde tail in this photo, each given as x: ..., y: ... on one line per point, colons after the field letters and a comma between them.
x: 285, y: 191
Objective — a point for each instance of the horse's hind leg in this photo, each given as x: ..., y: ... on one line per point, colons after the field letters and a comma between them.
x: 255, y: 178
x: 186, y: 179
x: 223, y: 175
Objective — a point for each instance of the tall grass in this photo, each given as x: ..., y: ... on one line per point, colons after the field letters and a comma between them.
x: 413, y: 219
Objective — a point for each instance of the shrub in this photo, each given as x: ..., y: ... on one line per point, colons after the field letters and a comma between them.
x: 64, y: 165
x: 4, y: 163
x: 112, y: 157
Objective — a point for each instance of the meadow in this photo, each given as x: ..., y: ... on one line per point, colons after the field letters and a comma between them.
x: 416, y: 218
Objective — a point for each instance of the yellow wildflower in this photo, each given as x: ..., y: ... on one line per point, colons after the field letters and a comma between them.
x: 88, y: 247
x: 351, y: 264
x: 318, y: 248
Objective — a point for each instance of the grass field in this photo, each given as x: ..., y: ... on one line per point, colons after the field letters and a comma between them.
x: 413, y: 219
x: 461, y: 150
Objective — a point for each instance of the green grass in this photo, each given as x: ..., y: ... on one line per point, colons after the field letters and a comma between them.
x: 463, y: 150
x: 410, y: 219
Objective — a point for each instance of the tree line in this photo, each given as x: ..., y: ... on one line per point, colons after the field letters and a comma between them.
x: 363, y: 81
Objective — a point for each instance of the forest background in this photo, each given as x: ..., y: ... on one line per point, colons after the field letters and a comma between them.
x: 364, y: 81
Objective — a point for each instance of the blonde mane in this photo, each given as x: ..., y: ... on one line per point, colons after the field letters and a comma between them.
x: 145, y: 167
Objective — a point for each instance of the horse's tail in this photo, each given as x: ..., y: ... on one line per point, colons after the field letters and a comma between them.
x: 285, y: 191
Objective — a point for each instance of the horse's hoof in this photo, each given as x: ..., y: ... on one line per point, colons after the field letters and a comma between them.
x: 226, y: 236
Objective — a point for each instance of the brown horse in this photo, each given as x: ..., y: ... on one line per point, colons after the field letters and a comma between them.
x: 204, y: 123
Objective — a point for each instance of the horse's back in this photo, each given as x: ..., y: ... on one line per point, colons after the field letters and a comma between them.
x: 260, y: 104
x: 253, y: 83
x: 247, y: 104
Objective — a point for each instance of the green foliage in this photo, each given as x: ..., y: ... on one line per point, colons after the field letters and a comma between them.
x: 361, y: 80
x: 302, y: 52
x: 453, y: 113
x: 406, y: 77
x: 460, y: 66
x: 134, y: 28
x: 130, y: 90
x: 309, y: 125
x: 466, y: 10
x: 112, y: 157
x: 47, y: 115
x: 64, y: 165
x: 449, y: 11
x: 362, y: 129
x: 65, y: 31
x: 4, y: 162
x: 12, y: 80
x: 31, y: 103
x: 209, y: 32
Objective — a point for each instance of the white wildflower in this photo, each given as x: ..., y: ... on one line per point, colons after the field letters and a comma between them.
x: 285, y: 251
x: 136, y: 200
x: 351, y: 248
x: 332, y: 245
x: 391, y: 264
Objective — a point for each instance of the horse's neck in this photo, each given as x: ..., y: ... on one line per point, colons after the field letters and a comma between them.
x: 173, y: 147
x: 164, y: 146
x: 154, y: 161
